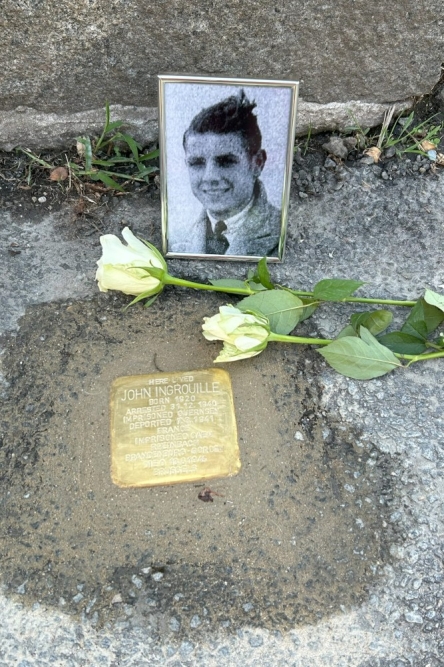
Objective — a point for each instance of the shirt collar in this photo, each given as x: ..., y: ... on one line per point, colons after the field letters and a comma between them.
x: 235, y: 221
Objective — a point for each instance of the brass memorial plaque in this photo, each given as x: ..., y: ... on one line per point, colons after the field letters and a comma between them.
x: 168, y: 428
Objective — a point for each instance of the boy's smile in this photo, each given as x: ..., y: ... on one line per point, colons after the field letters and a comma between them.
x: 222, y: 173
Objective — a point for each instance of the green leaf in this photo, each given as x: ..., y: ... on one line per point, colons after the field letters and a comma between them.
x: 154, y: 271
x: 376, y: 321
x: 402, y: 343
x: 335, y: 289
x: 229, y: 282
x: 149, y: 303
x: 140, y: 297
x: 360, y: 358
x: 113, y: 126
x: 434, y: 299
x: 416, y: 329
x: 263, y: 274
x: 309, y: 308
x: 146, y: 171
x: 34, y: 158
x: 283, y: 309
x: 347, y: 331
x: 111, y: 162
x: 114, y: 160
x: 439, y: 341
x: 107, y: 116
x: 107, y: 180
x: 132, y: 143
x: 423, y: 319
x: 260, y: 279
x: 150, y: 156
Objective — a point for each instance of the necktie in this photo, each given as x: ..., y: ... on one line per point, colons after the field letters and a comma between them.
x: 217, y: 243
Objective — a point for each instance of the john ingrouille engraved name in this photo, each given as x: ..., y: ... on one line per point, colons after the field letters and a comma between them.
x: 169, y: 428
x: 166, y: 392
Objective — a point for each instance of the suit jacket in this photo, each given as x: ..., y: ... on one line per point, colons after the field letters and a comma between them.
x: 259, y: 235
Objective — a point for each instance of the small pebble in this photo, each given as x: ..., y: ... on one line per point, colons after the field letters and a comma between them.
x: 22, y: 588
x: 331, y: 164
x: 337, y: 147
x: 298, y: 157
x: 350, y: 142
x: 413, y: 617
x: 174, y: 624
x: 195, y: 621
x: 186, y: 648
x: 256, y: 641
x: 41, y: 200
x: 157, y: 576
x: 90, y: 605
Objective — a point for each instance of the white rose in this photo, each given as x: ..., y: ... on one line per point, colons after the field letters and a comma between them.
x: 243, y: 334
x: 121, y: 267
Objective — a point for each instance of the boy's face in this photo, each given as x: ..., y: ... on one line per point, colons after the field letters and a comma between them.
x: 222, y: 174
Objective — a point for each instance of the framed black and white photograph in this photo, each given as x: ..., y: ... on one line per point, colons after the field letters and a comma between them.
x: 226, y: 149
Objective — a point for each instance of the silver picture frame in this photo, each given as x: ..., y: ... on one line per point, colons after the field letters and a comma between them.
x: 210, y: 165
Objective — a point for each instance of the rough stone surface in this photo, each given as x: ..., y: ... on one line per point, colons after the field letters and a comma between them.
x: 336, y: 146
x: 71, y: 56
x: 28, y: 128
x: 385, y: 232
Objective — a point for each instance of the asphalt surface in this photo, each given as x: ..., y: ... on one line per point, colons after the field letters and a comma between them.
x: 387, y: 232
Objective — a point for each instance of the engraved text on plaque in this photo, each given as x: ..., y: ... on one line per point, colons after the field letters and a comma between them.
x: 173, y: 427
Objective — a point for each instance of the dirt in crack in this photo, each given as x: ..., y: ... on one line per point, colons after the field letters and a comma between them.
x: 298, y: 534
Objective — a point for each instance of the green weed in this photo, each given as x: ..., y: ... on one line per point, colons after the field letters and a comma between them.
x: 407, y: 137
x: 114, y: 155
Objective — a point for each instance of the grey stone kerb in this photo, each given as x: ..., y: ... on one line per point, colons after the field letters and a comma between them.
x: 62, y: 60
x: 33, y: 129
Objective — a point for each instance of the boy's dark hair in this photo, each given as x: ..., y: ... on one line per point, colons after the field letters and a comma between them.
x: 234, y: 114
